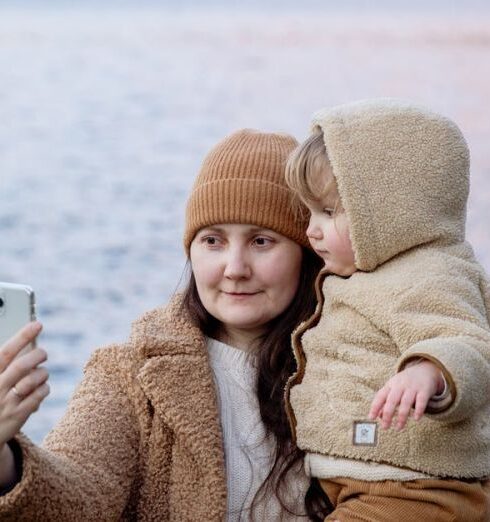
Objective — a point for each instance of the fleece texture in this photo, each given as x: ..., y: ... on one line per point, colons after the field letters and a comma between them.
x: 141, y: 438
x: 402, y: 175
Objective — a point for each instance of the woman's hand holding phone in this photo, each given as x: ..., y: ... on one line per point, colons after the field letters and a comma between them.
x: 22, y: 389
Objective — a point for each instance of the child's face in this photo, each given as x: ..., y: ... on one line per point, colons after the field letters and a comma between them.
x: 328, y: 234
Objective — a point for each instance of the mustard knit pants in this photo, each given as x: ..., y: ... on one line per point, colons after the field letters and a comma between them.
x: 413, y: 501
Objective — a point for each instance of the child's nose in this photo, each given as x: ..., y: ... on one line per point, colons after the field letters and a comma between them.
x: 313, y: 231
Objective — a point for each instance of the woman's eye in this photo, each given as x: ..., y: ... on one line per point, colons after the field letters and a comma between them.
x: 262, y: 241
x: 328, y: 211
x: 210, y: 240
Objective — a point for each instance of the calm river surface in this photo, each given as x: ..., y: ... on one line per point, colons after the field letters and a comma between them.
x: 105, y: 115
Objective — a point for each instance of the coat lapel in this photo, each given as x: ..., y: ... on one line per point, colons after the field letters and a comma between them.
x: 178, y: 382
x: 181, y: 390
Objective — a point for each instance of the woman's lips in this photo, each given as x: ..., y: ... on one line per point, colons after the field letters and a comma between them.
x: 241, y: 294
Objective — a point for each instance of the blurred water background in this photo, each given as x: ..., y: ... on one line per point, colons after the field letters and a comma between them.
x: 106, y: 113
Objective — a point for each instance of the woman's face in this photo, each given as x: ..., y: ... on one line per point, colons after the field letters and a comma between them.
x: 246, y: 276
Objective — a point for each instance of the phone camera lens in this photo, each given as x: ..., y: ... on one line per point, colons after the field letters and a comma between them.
x: 2, y: 302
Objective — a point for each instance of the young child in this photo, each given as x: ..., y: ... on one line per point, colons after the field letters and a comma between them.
x: 402, y: 326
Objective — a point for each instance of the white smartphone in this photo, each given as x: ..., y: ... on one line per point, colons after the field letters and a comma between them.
x: 17, y: 308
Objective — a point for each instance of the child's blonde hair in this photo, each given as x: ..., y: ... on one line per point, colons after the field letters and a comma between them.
x: 309, y: 174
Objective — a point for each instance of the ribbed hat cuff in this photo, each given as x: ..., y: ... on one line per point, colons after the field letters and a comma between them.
x: 246, y: 201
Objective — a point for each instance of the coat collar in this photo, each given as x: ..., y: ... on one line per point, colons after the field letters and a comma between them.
x: 167, y: 330
x: 178, y: 382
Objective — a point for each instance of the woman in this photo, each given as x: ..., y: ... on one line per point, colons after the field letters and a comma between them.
x: 185, y: 421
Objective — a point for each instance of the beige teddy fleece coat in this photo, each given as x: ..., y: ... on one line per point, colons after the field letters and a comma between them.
x: 141, y: 438
x: 402, y: 175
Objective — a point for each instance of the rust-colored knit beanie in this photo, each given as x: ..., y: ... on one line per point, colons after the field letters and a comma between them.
x: 242, y: 181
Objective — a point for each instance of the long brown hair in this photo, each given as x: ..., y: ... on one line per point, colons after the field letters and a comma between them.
x: 276, y: 363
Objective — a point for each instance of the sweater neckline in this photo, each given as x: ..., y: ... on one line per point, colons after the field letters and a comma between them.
x: 222, y: 352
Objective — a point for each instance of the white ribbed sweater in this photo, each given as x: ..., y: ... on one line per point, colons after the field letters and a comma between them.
x: 248, y: 453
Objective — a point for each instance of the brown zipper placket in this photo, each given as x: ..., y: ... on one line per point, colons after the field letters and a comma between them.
x: 299, y: 354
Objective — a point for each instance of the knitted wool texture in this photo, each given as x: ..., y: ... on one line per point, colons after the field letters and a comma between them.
x: 242, y: 181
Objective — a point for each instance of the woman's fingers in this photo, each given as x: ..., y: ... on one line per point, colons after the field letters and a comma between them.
x: 22, y: 381
x: 21, y: 367
x: 31, y: 403
x: 18, y: 342
x: 30, y: 382
x: 16, y: 409
x: 20, y: 412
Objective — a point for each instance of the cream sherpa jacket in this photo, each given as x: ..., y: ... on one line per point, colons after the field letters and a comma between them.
x: 141, y: 439
x: 402, y: 175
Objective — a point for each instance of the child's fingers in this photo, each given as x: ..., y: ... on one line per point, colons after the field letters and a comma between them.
x: 392, y: 402
x: 406, y: 403
x: 420, y: 404
x: 378, y: 402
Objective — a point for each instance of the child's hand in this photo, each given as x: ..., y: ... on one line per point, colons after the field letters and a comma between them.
x: 412, y: 387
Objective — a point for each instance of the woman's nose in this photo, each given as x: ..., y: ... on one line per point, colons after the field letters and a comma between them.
x: 237, y: 266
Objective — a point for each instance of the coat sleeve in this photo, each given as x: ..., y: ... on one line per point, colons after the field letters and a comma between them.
x: 87, y: 464
x: 445, y: 319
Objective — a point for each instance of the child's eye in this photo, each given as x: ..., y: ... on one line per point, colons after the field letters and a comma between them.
x: 328, y: 211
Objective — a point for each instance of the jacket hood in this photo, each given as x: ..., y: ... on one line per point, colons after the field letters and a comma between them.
x: 402, y: 173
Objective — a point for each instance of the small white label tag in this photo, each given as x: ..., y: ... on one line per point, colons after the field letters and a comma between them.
x: 365, y: 433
